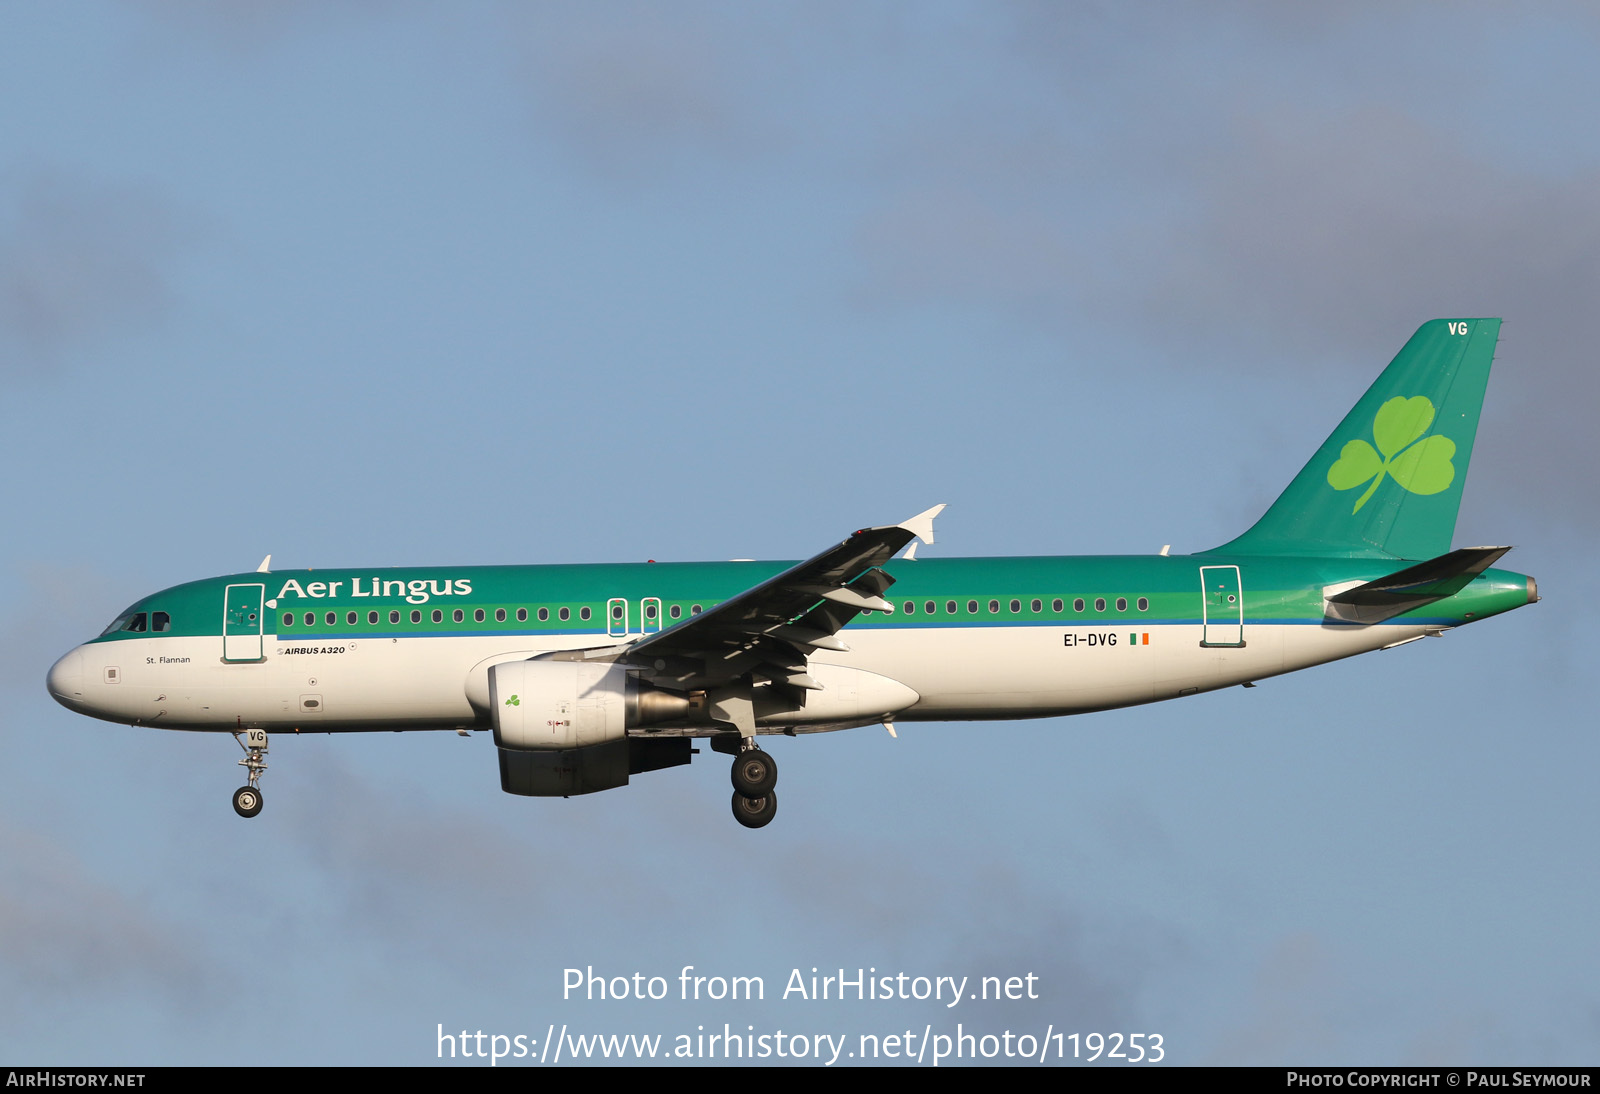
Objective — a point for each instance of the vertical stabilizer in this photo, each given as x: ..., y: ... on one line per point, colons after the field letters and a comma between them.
x: 1388, y: 481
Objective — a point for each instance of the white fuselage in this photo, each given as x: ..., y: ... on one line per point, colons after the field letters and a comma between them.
x: 430, y: 682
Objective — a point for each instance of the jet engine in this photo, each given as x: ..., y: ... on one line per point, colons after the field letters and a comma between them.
x: 561, y: 726
x: 555, y: 705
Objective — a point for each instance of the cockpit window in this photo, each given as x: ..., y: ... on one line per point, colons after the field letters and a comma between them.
x: 134, y: 622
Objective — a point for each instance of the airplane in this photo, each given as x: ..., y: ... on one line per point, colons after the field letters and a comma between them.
x: 587, y: 675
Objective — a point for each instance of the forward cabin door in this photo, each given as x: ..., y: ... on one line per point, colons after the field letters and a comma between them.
x: 242, y: 619
x: 1221, y: 606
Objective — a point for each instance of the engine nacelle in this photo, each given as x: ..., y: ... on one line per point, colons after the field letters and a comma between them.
x: 549, y: 774
x: 540, y: 706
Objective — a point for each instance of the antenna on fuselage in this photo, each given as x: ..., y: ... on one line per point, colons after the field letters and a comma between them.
x: 266, y: 562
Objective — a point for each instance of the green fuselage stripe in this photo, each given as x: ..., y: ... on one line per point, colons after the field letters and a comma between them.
x: 1273, y: 591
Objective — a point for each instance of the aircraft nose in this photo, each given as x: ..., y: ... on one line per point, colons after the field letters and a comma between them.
x: 66, y: 679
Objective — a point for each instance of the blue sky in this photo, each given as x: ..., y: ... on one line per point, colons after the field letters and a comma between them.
x: 399, y: 284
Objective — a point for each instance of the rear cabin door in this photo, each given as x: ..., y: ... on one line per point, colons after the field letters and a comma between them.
x: 242, y: 619
x: 1221, y: 606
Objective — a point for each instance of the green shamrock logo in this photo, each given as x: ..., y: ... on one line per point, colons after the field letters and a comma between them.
x: 513, y: 702
x: 1422, y: 467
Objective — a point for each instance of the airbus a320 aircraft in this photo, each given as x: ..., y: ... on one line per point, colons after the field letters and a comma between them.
x: 588, y: 675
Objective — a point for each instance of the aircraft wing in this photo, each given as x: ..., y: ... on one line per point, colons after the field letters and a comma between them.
x: 764, y: 634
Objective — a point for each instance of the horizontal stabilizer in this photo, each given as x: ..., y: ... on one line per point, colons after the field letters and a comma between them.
x: 1403, y: 590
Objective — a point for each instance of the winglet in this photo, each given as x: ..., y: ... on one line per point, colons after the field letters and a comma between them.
x: 262, y: 569
x: 921, y: 525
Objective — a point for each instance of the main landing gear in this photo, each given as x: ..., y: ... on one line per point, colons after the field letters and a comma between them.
x: 247, y: 799
x: 755, y: 773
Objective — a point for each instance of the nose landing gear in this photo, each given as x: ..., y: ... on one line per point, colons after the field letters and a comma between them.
x: 247, y: 799
x: 755, y: 773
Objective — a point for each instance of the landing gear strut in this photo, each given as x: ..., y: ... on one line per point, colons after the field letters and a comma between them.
x: 755, y: 773
x: 247, y: 799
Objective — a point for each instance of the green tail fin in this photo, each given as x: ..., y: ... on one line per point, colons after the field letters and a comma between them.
x: 1388, y: 482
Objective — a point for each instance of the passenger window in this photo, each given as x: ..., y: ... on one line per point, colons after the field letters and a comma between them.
x: 994, y: 607
x: 694, y: 609
x: 438, y: 615
x: 416, y: 616
x: 1016, y: 605
x: 1037, y: 605
x: 458, y: 615
x: 311, y: 619
x: 972, y: 607
x: 350, y: 618
x: 160, y: 621
x: 499, y: 615
x: 676, y: 611
x: 1144, y: 604
x: 1055, y: 605
x: 1122, y: 603
x: 565, y: 614
x: 372, y: 618
x: 137, y: 623
x: 583, y: 613
x: 930, y: 607
x: 1077, y: 605
x: 950, y: 607
x: 477, y: 616
x: 522, y: 614
x: 394, y: 616
x: 1099, y: 603
x: 649, y: 611
x: 288, y: 619
x: 911, y: 607
x: 333, y: 617
x: 616, y: 611
x: 544, y: 615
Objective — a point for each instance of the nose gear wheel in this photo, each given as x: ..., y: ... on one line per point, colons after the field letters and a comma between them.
x: 247, y: 799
